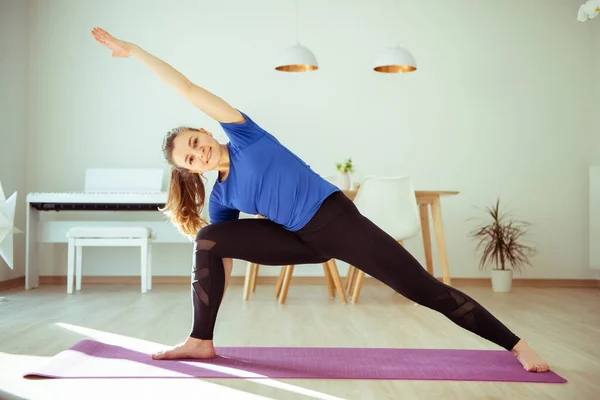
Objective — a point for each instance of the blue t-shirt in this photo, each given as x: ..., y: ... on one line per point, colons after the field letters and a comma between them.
x: 266, y: 178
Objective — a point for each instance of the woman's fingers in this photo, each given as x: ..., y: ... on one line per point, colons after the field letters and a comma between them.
x: 101, y: 41
x: 102, y: 35
x: 105, y: 42
x: 97, y: 36
x: 116, y: 46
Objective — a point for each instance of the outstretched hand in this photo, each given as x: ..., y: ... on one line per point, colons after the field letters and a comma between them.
x: 119, y: 48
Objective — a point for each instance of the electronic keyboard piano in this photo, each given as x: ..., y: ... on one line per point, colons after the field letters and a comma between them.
x: 67, y: 208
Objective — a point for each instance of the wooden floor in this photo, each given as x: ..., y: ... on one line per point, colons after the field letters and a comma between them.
x: 562, y: 324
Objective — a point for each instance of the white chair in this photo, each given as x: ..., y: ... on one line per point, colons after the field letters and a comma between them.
x: 108, y: 236
x: 391, y: 204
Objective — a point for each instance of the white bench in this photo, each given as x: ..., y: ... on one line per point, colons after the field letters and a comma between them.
x: 108, y: 236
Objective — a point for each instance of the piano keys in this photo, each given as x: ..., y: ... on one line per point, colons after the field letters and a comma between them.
x: 90, y: 201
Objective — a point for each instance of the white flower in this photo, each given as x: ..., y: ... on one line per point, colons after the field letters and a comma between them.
x: 589, y: 10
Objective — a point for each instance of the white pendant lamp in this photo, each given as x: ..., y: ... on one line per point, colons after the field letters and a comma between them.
x: 296, y: 58
x: 395, y: 60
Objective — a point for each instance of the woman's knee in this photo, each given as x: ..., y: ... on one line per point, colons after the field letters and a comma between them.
x: 207, y: 237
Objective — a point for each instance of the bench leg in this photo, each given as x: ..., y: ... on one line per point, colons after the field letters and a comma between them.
x: 78, y: 267
x: 70, y: 265
x: 149, y: 269
x: 144, y: 265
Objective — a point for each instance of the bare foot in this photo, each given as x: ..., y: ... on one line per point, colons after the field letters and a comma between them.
x: 528, y: 358
x: 191, y: 348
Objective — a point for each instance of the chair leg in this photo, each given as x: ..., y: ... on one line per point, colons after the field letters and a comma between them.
x: 356, y: 288
x: 70, y: 265
x: 353, y: 280
x: 247, y: 280
x: 329, y: 280
x: 337, y: 280
x: 349, y: 278
x: 149, y: 269
x: 279, y: 283
x: 144, y: 272
x: 289, y: 270
x: 78, y: 267
x: 254, y: 276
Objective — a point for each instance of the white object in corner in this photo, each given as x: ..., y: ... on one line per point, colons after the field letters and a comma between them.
x: 7, y: 218
x: 594, y: 209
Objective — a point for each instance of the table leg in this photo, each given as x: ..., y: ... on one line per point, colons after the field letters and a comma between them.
x: 436, y: 212
x: 424, y: 211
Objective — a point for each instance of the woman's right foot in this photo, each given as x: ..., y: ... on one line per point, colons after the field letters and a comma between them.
x: 191, y: 348
x: 528, y: 358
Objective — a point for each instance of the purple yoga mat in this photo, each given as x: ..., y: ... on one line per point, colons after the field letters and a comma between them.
x: 92, y: 359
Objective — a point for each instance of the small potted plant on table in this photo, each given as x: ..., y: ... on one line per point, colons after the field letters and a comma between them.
x: 345, y: 168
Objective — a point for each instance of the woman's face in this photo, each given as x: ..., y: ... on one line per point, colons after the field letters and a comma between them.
x: 196, y: 151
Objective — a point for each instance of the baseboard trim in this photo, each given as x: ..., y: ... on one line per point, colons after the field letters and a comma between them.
x: 297, y: 280
x: 13, y: 283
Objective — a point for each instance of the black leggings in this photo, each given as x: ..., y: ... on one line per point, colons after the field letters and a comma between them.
x: 336, y: 231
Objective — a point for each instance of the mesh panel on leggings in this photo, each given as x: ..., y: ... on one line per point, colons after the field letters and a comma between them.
x: 457, y: 307
x: 201, y: 281
x: 207, y: 289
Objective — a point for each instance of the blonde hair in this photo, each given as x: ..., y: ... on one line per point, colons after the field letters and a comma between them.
x: 186, y: 193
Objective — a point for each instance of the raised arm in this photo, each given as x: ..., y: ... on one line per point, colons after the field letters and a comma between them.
x: 209, y: 103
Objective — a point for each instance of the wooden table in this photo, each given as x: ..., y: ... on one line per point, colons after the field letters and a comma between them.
x: 426, y: 198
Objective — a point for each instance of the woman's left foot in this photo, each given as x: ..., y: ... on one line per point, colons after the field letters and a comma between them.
x: 191, y: 348
x: 528, y: 358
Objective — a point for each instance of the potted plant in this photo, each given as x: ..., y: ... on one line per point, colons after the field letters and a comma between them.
x: 345, y: 168
x: 500, y: 239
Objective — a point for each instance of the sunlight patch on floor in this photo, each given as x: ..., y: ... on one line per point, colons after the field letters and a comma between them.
x: 14, y: 386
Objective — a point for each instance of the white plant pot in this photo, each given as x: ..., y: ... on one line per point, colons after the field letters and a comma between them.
x: 345, y: 181
x: 502, y: 280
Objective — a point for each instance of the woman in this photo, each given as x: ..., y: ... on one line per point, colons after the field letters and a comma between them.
x: 308, y: 220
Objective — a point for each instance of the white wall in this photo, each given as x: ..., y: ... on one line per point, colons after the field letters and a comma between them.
x: 595, y: 143
x: 14, y: 64
x: 498, y: 105
x: 595, y: 131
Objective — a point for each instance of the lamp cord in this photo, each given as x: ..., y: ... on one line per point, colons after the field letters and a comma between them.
x: 297, y: 40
